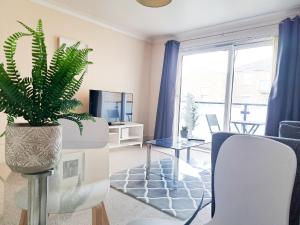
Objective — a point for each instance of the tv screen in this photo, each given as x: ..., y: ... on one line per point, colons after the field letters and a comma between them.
x: 112, y: 106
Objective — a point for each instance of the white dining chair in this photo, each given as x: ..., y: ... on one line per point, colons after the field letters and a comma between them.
x: 254, y: 178
x: 89, y: 186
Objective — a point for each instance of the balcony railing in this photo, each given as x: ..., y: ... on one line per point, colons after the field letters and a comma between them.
x: 245, y: 106
x: 250, y: 112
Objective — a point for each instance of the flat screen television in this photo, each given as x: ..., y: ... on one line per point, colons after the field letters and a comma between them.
x: 115, y: 107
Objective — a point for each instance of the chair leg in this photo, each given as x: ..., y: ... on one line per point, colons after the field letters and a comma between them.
x: 99, y: 216
x: 23, y: 218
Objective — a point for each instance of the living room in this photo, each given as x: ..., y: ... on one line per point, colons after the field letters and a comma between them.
x: 157, y: 89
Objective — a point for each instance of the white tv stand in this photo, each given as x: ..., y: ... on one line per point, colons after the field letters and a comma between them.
x: 126, y: 135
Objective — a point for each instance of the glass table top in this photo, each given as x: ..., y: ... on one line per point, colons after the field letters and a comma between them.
x: 80, y: 181
x: 248, y: 122
x: 177, y: 143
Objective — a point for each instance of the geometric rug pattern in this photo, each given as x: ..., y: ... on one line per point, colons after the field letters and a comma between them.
x: 158, y: 191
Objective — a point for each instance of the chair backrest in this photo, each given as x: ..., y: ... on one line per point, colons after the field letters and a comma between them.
x: 94, y: 135
x: 92, y: 153
x: 254, y: 178
x: 212, y: 121
x: 290, y: 122
x: 81, y: 179
x: 289, y: 130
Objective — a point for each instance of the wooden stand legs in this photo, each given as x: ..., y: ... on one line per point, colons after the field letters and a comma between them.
x: 99, y: 216
x: 23, y: 219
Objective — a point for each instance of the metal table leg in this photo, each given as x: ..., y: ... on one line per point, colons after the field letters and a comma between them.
x: 237, y: 128
x: 255, y: 129
x: 176, y: 167
x: 251, y: 129
x: 37, y: 197
x: 148, y: 162
x: 244, y: 128
x: 188, y: 155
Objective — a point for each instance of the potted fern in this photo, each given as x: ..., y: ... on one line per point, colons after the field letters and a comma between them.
x: 41, y: 100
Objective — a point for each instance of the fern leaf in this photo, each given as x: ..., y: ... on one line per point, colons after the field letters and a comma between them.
x: 48, y: 94
x: 10, y: 50
x: 68, y: 105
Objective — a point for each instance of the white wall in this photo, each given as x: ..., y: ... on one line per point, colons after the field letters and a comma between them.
x: 157, y: 58
x: 121, y: 63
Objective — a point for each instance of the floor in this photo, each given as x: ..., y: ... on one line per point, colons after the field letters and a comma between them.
x: 121, y: 208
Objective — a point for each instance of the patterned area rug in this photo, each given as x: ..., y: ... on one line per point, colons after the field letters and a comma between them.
x: 181, y: 202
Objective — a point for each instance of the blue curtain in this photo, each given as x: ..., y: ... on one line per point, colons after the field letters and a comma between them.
x: 284, y: 100
x: 166, y: 101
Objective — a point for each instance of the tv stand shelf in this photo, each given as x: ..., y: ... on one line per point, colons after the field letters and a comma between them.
x: 127, y: 134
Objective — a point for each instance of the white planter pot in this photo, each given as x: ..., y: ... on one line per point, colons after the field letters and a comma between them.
x: 32, y: 149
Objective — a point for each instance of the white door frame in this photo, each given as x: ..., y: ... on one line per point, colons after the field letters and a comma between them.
x: 231, y: 48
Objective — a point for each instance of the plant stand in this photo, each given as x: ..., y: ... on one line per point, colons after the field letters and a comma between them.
x: 37, y: 198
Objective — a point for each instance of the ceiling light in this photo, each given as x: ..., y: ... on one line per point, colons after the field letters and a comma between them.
x: 154, y: 3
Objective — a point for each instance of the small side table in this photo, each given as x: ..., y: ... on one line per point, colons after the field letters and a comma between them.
x: 244, y: 125
x: 177, y: 144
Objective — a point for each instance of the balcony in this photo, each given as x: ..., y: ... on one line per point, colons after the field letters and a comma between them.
x: 194, y: 117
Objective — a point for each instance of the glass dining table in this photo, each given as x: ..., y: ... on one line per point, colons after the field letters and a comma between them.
x: 79, y: 182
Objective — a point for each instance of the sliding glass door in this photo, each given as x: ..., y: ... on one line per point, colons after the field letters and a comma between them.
x: 251, y: 88
x: 203, y: 90
x: 225, y: 90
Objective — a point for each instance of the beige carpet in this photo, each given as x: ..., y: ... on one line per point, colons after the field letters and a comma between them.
x: 120, y: 208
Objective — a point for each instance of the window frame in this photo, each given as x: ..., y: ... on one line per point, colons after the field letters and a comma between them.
x: 231, y: 48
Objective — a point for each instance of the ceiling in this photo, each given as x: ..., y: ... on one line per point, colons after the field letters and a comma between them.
x: 181, y: 15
